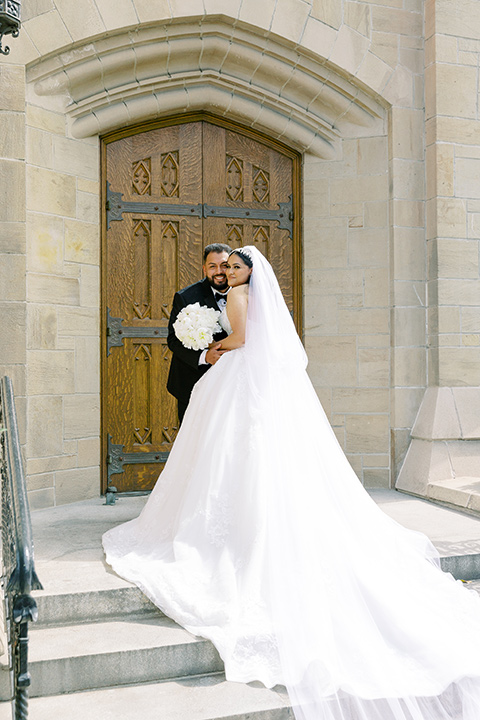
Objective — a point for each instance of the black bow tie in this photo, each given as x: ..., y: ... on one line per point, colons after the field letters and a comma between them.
x: 219, y: 296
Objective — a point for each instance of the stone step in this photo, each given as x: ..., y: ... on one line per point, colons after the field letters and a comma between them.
x: 200, y: 698
x: 460, y: 492
x: 76, y: 607
x: 129, y: 650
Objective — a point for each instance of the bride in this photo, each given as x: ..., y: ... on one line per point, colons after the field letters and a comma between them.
x: 259, y: 536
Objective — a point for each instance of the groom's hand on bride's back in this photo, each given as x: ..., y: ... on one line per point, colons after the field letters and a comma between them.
x: 214, y: 353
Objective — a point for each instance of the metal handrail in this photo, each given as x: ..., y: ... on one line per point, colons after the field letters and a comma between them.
x: 18, y: 571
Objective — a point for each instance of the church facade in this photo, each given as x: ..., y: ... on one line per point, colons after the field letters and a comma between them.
x: 342, y: 137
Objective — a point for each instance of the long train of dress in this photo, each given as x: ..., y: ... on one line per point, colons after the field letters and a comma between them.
x: 259, y: 536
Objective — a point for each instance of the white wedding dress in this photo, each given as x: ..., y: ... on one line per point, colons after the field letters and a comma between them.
x: 259, y: 536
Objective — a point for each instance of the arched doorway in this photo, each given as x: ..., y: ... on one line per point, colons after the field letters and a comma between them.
x: 170, y: 189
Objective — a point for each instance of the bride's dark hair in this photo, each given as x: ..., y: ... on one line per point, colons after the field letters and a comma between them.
x: 244, y: 255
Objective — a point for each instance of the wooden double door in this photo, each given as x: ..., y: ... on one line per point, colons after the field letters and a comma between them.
x: 169, y: 192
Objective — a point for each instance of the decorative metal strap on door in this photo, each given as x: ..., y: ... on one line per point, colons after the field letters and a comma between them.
x: 117, y: 332
x: 116, y: 206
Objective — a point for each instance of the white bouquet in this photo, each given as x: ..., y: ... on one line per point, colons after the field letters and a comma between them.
x: 196, y: 325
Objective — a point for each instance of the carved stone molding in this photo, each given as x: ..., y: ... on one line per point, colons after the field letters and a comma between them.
x: 267, y: 84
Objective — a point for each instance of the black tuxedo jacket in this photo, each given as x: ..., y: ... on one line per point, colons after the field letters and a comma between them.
x: 184, y: 367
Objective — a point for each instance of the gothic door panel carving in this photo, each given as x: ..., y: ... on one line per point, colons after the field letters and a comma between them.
x: 171, y: 191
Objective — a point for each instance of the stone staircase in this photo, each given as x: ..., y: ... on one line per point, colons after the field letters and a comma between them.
x: 123, y: 659
x: 101, y: 650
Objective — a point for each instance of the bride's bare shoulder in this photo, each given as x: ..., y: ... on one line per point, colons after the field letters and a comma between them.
x: 239, y: 291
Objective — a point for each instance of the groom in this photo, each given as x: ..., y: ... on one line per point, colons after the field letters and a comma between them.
x: 188, y: 366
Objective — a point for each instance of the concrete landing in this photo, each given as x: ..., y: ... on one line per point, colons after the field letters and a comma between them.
x: 69, y: 556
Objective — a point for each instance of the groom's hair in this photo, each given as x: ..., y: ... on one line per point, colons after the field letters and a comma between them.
x: 216, y: 248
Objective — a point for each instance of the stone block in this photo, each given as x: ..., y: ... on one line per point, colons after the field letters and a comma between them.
x: 17, y: 374
x: 148, y: 11
x: 467, y: 403
x: 40, y: 499
x: 377, y: 287
x: 48, y: 32
x: 332, y: 360
x: 81, y: 416
x: 409, y: 254
x: 81, y: 21
x: 384, y: 19
x: 37, y: 466
x: 349, y: 50
x: 328, y: 249
x: 379, y: 340
x: 315, y: 198
x: 88, y: 452
x: 45, y: 243
x: 12, y: 238
x: 408, y: 179
x: 333, y: 281
x: 50, y: 372
x: 87, y: 365
x: 376, y: 461
x: 121, y: 14
x: 458, y: 292
x: 89, y: 186
x: 47, y: 120
x: 407, y: 133
x: 12, y: 82
x: 12, y: 278
x: 76, y: 485
x: 410, y: 366
x: 457, y: 258
x: 41, y: 327
x: 374, y: 72
x: 363, y: 320
x: 374, y: 367
x: 90, y: 286
x: 368, y: 247
x: 408, y: 213
x: 357, y: 16
x: 53, y: 289
x: 410, y: 326
x: 51, y: 192
x: 367, y: 433
x: 317, y: 35
x: 88, y: 208
x: 45, y: 426
x: 448, y: 320
x: 75, y: 157
x: 12, y: 135
x: 39, y: 150
x: 459, y: 366
x: 467, y: 180
x: 376, y: 477
x: 456, y: 87
x: 12, y: 190
x: 400, y: 89
x: 39, y: 482
x: 288, y: 20
x: 470, y: 318
x: 372, y: 187
x: 320, y: 315
x: 328, y: 11
x: 409, y: 294
x: 385, y: 46
x: 406, y: 403
x: 12, y: 348
x: 78, y: 321
x: 375, y: 214
x: 82, y: 242
x: 362, y: 400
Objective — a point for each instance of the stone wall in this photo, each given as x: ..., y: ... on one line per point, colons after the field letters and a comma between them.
x: 340, y: 80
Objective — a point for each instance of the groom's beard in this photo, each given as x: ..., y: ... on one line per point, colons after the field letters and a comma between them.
x: 219, y: 283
